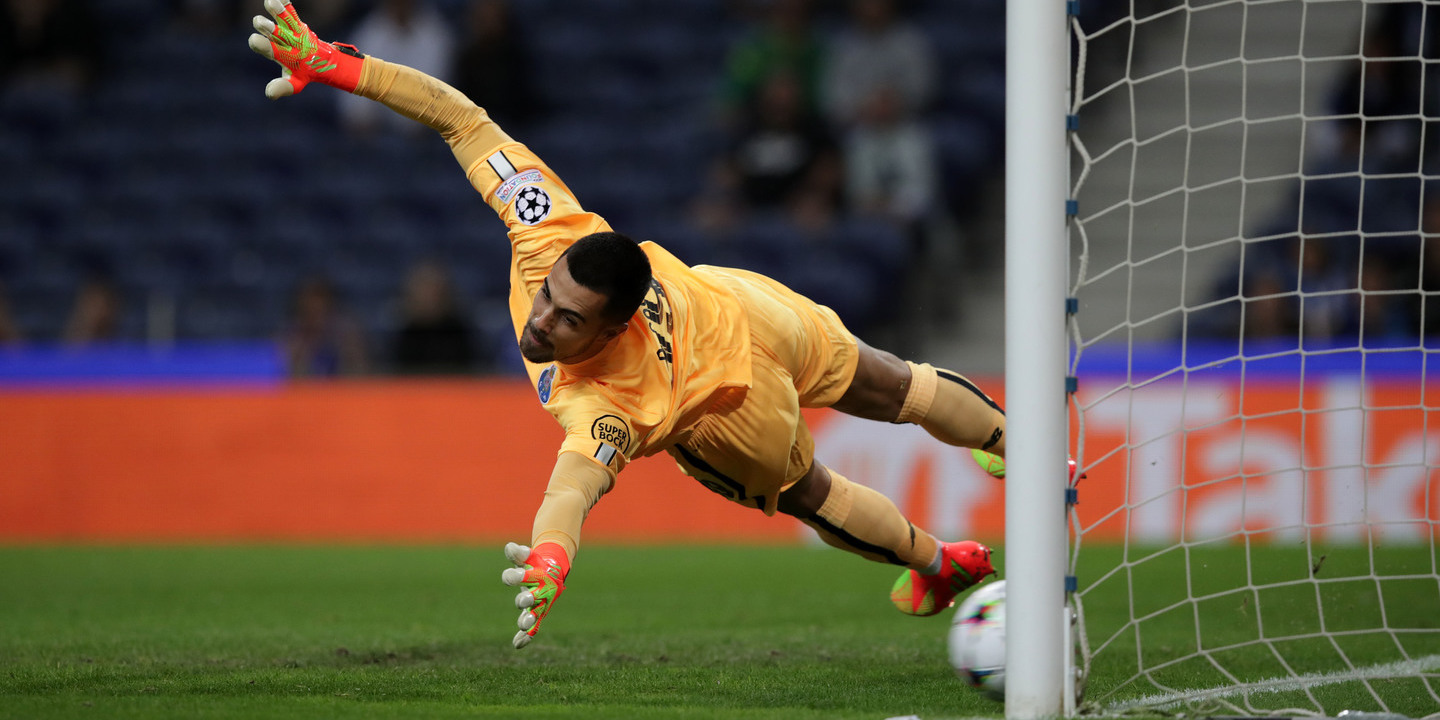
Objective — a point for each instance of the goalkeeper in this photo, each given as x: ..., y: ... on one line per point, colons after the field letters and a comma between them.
x: 636, y: 353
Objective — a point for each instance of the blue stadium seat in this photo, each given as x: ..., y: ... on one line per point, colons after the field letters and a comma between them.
x: 767, y: 245
x: 573, y: 140
x: 40, y: 312
x: 235, y: 189
x: 19, y: 242
x: 875, y: 243
x: 136, y: 14
x: 680, y: 237
x: 48, y: 269
x: 846, y: 287
x: 15, y: 153
x: 48, y: 201
x: 224, y: 311
x: 39, y: 113
x: 979, y: 92
x: 365, y: 271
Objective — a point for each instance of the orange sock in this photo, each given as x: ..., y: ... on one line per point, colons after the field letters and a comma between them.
x: 953, y: 409
x: 860, y: 520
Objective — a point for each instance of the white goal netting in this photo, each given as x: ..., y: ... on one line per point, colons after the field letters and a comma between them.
x: 1256, y: 270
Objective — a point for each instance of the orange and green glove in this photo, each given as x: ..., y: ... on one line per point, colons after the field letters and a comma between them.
x: 541, y: 573
x: 303, y: 58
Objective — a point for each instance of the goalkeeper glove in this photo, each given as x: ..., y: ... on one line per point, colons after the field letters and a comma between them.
x: 302, y: 56
x: 541, y: 572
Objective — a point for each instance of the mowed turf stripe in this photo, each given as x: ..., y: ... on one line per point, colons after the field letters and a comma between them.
x: 672, y: 631
x: 744, y: 632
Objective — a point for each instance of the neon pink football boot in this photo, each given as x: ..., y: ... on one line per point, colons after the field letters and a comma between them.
x: 962, y: 566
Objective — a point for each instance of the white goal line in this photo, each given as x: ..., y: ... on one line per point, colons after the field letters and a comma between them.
x: 1417, y: 666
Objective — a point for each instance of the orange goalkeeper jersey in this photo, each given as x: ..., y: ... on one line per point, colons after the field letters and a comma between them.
x: 686, y: 351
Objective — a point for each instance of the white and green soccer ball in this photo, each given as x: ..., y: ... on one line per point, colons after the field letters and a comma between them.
x: 977, y: 640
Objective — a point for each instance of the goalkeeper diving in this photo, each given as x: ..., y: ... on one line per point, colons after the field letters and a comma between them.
x: 636, y: 353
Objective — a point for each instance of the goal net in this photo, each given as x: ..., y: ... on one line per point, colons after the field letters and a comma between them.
x: 1256, y: 261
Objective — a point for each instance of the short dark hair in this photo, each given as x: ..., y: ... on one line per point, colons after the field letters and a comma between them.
x: 613, y: 265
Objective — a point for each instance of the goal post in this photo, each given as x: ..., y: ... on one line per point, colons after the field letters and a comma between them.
x: 1036, y: 254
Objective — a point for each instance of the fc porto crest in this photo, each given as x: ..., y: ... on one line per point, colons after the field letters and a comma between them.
x: 547, y: 382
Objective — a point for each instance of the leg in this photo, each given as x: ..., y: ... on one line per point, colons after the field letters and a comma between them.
x: 808, y: 349
x: 947, y: 405
x: 859, y: 520
x: 762, y: 455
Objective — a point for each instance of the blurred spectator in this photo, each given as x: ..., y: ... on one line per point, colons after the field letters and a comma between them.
x: 782, y: 157
x: 1307, y: 290
x: 409, y: 32
x: 890, y: 166
x: 9, y: 331
x: 878, y: 53
x: 49, y: 43
x: 785, y: 43
x: 491, y: 67
x: 892, y: 172
x: 95, y: 316
x: 1390, y: 97
x: 1379, y: 101
x: 1359, y: 201
x: 435, y: 338
x: 1269, y: 308
x: 1328, y: 308
x: 1384, y: 316
x: 322, y: 340
x: 1425, y: 311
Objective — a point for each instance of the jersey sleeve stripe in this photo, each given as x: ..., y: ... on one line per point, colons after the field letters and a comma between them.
x: 501, y: 165
x: 605, y: 453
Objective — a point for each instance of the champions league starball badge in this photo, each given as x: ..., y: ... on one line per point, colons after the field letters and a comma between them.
x: 532, y: 204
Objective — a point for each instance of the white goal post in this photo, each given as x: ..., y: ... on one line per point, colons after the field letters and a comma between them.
x: 1036, y: 59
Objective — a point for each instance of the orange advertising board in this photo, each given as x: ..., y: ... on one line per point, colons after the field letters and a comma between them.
x: 1196, y: 461
x: 468, y: 461
x: 354, y: 461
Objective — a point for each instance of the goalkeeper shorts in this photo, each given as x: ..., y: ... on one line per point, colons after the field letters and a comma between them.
x: 802, y: 357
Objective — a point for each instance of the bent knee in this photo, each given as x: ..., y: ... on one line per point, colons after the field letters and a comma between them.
x: 805, y: 498
x: 878, y: 390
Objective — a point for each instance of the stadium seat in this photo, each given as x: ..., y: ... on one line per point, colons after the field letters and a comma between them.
x: 15, y: 251
x: 40, y: 113
x: 846, y: 287
x: 15, y: 152
x: 40, y: 312
x: 224, y: 311
x: 877, y: 244
x: 627, y: 126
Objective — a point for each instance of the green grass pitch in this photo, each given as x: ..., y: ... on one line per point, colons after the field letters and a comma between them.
x: 424, y: 632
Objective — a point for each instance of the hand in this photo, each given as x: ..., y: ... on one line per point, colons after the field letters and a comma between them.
x: 541, y: 572
x: 302, y: 56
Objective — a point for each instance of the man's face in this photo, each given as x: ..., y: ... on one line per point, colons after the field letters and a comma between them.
x: 566, y: 321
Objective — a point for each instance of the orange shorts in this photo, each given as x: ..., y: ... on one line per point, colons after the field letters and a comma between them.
x: 802, y: 357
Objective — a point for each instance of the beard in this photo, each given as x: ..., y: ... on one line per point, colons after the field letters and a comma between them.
x: 533, y: 349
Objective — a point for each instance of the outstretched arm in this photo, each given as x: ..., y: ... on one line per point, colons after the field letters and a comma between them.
x: 305, y: 58
x: 543, y: 218
x: 575, y: 486
x: 542, y: 215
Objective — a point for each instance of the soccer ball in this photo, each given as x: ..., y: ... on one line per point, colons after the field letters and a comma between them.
x: 977, y: 640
